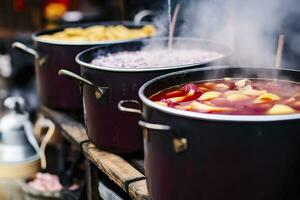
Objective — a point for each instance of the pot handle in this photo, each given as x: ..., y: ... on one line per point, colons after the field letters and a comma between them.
x: 179, y: 144
x: 23, y: 47
x: 41, y: 60
x: 99, y: 91
x: 123, y: 108
x: 138, y: 18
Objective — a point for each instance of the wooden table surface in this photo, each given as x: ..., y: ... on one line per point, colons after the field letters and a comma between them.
x: 119, y: 170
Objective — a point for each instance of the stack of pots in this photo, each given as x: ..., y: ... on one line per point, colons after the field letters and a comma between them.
x: 104, y: 87
x: 105, y: 92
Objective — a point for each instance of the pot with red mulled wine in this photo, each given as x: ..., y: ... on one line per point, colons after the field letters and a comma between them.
x: 230, y: 131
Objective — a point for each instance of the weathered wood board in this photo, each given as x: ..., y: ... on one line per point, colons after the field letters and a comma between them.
x: 127, y: 177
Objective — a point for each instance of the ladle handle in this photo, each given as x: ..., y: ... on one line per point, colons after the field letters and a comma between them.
x: 179, y: 144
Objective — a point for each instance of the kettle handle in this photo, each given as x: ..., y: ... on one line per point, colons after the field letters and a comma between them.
x: 30, y: 137
x: 43, y: 122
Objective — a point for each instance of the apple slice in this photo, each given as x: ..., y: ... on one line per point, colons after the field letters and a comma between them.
x: 242, y: 83
x: 294, y: 98
x: 207, y: 108
x: 297, y: 97
x: 184, y: 107
x: 161, y: 103
x: 266, y: 98
x: 209, y: 85
x: 209, y: 95
x: 182, y: 98
x: 231, y: 92
x: 280, y: 109
x: 175, y: 93
x: 252, y: 92
x: 234, y: 97
x: 221, y: 87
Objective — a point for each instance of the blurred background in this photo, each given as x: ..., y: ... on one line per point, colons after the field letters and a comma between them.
x: 20, y: 18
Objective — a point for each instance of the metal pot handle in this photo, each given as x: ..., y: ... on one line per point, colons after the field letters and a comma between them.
x: 40, y: 60
x: 179, y: 144
x: 23, y: 47
x: 99, y: 91
x: 123, y: 108
x: 138, y: 18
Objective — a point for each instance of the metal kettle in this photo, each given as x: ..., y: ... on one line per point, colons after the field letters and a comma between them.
x: 18, y: 146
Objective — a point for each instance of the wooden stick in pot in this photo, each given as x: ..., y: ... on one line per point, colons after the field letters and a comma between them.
x: 172, y: 26
x: 278, y: 58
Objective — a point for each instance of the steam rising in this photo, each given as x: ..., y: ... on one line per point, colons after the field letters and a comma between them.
x: 251, y: 27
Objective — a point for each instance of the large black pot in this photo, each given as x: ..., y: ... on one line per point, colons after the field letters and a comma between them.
x: 104, y: 87
x: 50, y: 56
x: 219, y: 157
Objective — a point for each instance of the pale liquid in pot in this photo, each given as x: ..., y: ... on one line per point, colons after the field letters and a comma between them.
x: 155, y: 58
x: 233, y: 97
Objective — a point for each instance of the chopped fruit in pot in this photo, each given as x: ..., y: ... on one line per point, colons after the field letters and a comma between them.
x: 246, y: 97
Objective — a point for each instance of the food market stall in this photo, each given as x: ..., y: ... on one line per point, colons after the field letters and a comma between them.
x: 149, y: 100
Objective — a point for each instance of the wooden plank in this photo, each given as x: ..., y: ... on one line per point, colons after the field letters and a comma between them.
x: 138, y: 190
x: 72, y: 130
x: 137, y: 163
x: 91, y: 181
x: 115, y: 167
x: 118, y: 170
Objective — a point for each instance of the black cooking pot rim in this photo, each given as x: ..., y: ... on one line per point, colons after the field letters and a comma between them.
x: 213, y: 117
x: 92, y: 66
x: 35, y: 36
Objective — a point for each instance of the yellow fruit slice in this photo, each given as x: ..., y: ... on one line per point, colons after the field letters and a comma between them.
x: 179, y: 99
x: 209, y: 95
x: 161, y: 103
x: 241, y: 83
x: 267, y: 97
x: 237, y: 97
x: 221, y: 86
x: 252, y: 92
x: 203, y: 107
x: 280, y: 109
